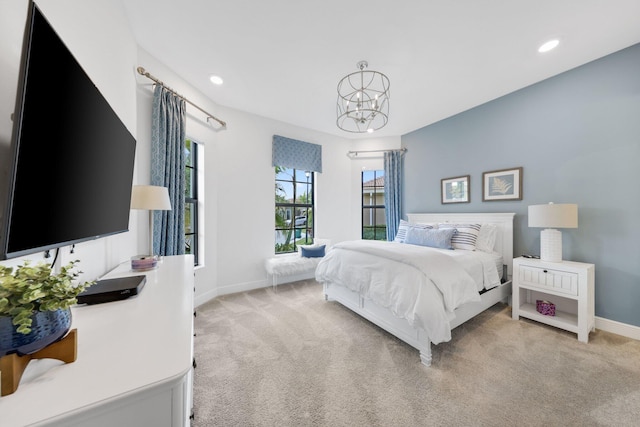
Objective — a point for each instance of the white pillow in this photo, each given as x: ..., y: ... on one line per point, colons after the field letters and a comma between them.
x: 487, y: 238
x: 466, y: 236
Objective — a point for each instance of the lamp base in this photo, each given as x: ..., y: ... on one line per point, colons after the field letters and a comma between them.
x: 551, y: 245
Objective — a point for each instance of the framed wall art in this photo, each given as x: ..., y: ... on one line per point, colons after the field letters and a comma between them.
x: 505, y: 184
x: 455, y: 190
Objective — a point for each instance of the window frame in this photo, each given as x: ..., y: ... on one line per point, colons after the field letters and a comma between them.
x: 192, y: 200
x: 294, y: 206
x: 376, y: 228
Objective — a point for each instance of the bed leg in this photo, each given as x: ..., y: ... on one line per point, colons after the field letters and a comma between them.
x: 425, y: 355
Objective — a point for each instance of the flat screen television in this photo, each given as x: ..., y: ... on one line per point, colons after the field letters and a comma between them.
x: 72, y: 158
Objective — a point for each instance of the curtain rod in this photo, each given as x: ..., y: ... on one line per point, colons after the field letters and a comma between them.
x: 353, y: 154
x: 144, y: 72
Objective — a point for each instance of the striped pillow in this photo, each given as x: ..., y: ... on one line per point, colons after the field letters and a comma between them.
x: 466, y: 237
x: 403, y: 228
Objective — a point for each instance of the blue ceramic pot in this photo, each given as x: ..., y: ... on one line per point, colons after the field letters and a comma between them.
x: 47, y: 327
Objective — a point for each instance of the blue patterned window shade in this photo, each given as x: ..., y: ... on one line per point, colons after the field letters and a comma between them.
x: 300, y: 155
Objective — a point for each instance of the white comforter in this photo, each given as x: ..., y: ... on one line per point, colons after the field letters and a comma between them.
x: 420, y: 284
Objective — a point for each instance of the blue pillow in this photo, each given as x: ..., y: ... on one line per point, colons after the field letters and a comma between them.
x: 434, y: 238
x: 312, y: 252
x: 404, y: 227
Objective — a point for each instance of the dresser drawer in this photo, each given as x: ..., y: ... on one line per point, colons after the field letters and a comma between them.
x: 544, y: 278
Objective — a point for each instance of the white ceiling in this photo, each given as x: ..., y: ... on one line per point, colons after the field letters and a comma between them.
x: 282, y: 59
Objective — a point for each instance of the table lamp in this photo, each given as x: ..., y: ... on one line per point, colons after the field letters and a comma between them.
x: 550, y: 217
x: 151, y: 198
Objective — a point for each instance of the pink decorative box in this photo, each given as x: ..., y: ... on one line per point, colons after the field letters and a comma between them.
x: 545, y: 307
x: 144, y: 262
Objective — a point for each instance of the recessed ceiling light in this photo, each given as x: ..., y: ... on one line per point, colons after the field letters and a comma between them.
x: 216, y: 80
x: 551, y: 44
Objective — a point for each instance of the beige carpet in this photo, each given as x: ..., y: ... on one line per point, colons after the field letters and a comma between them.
x: 290, y: 358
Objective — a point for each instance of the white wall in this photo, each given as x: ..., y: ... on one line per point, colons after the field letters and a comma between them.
x: 244, y: 181
x: 246, y: 195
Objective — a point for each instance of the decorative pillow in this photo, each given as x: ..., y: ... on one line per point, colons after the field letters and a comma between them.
x: 404, y: 226
x: 487, y: 238
x: 466, y: 236
x: 434, y: 238
x: 401, y: 235
x: 315, y: 244
x: 313, y: 251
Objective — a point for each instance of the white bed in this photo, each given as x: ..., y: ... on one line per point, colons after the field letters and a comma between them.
x: 374, y: 279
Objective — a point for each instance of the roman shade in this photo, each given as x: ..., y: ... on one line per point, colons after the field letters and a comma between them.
x: 300, y: 155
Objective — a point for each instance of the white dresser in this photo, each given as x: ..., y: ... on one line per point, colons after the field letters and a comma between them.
x: 134, y: 365
x: 568, y: 285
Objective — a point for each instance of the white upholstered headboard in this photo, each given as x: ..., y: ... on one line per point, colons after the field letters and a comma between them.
x: 502, y: 220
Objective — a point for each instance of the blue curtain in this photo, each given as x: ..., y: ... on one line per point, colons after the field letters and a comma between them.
x: 393, y: 170
x: 168, y: 121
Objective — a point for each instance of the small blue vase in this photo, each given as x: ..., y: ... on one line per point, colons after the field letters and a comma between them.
x: 47, y: 327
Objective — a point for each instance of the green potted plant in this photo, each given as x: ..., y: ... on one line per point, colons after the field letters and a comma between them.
x: 35, y: 305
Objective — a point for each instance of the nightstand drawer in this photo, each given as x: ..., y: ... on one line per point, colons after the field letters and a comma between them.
x: 544, y: 278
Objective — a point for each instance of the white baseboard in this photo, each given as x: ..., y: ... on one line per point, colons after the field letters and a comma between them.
x: 249, y: 286
x: 618, y: 328
x: 232, y: 289
x: 207, y: 296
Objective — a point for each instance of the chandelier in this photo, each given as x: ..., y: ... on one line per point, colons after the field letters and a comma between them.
x: 363, y: 100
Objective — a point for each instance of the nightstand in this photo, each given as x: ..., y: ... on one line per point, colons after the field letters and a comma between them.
x: 567, y: 284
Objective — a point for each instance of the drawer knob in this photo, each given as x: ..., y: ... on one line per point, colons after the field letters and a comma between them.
x: 544, y: 271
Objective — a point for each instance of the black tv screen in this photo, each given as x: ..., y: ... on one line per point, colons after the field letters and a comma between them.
x: 72, y: 157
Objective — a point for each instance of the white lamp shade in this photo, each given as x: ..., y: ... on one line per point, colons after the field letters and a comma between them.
x: 562, y: 215
x: 150, y: 197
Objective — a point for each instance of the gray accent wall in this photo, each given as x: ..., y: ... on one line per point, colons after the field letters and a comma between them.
x: 577, y: 138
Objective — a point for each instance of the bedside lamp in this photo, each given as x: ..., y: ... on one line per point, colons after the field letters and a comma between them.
x: 550, y: 217
x: 151, y: 198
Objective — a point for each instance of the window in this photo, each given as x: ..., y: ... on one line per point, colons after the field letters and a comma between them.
x: 374, y: 225
x: 191, y: 199
x: 294, y: 205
